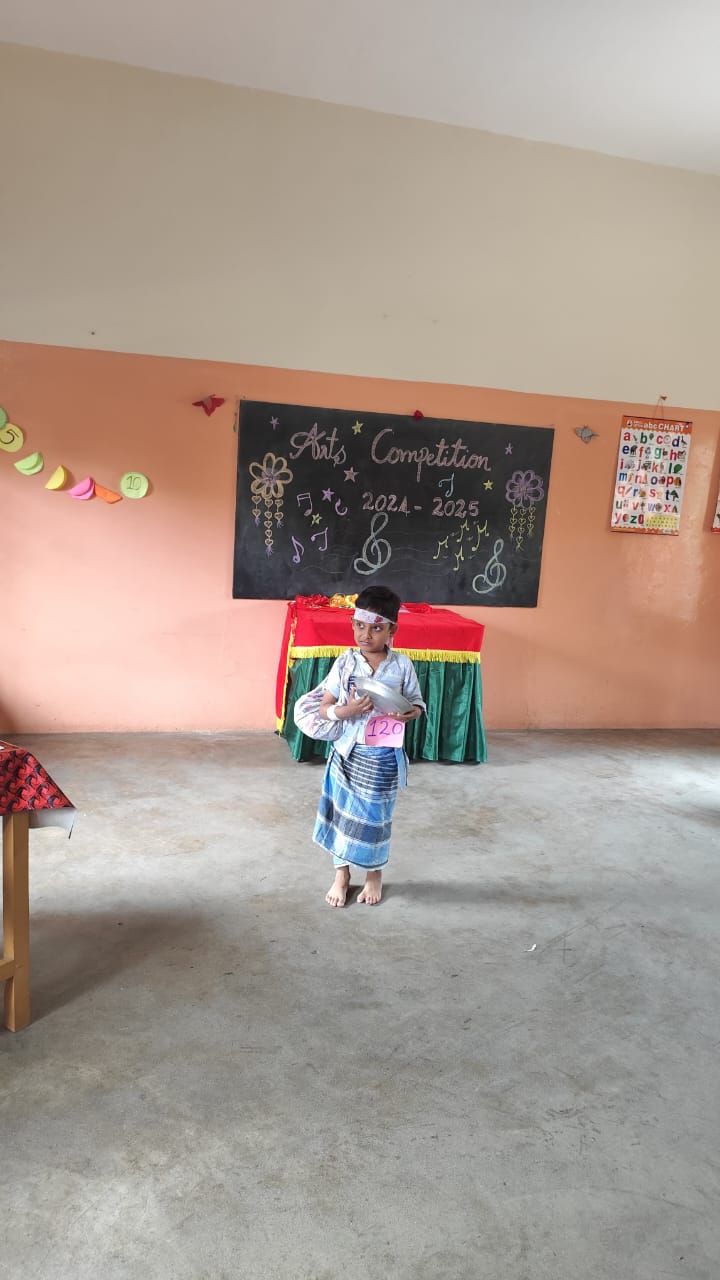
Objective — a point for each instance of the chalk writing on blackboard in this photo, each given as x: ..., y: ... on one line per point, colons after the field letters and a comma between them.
x: 440, y: 510
x: 494, y: 573
x: 524, y: 490
x: 376, y: 551
x: 269, y: 479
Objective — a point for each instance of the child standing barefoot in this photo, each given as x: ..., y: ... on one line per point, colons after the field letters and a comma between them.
x: 360, y: 785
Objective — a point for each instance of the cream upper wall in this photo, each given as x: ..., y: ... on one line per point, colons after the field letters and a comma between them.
x: 164, y: 215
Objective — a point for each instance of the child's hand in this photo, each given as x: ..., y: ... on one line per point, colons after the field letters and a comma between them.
x: 358, y: 707
x: 405, y: 716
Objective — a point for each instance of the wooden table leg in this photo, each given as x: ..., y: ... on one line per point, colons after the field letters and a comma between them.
x: 15, y: 963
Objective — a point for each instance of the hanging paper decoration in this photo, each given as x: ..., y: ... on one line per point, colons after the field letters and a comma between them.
x: 209, y: 404
x: 268, y: 485
x: 107, y: 495
x: 651, y: 470
x: 523, y: 491
x: 12, y: 438
x: 58, y: 479
x: 31, y: 465
x: 134, y: 484
x: 586, y: 434
x: 83, y: 490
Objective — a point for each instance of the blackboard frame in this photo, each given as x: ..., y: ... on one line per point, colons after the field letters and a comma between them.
x: 444, y: 510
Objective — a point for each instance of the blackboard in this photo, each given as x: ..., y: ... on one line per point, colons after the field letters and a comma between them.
x: 439, y: 510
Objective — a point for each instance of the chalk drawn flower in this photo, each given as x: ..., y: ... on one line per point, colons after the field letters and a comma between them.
x: 524, y: 489
x: 269, y: 477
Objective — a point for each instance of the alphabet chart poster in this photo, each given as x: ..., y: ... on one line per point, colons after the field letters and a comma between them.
x: 651, y: 474
x: 437, y: 509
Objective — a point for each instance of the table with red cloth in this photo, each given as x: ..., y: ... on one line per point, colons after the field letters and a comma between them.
x: 444, y: 648
x: 28, y: 798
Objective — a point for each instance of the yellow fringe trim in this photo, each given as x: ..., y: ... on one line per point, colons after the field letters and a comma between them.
x: 296, y: 652
x: 415, y: 655
x: 438, y: 655
x: 317, y: 650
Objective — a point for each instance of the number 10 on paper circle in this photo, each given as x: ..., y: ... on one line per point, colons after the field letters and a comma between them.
x: 383, y: 732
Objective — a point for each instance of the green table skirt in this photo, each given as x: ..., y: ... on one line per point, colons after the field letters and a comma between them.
x: 452, y: 730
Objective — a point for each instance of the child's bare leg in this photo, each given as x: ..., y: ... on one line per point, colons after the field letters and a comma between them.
x: 337, y: 892
x: 372, y: 891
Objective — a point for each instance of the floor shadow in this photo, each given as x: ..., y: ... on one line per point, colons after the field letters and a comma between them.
x: 501, y: 895
x: 73, y: 953
x: 708, y: 814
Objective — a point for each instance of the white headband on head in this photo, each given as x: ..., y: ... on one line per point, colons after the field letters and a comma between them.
x: 373, y: 619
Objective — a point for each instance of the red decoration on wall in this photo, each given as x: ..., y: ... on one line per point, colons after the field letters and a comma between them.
x: 418, y: 414
x: 209, y: 404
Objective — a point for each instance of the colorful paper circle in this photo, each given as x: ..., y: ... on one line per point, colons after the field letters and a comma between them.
x: 83, y: 490
x: 12, y: 438
x: 58, y: 479
x: 3, y: 416
x: 134, y: 484
x: 31, y: 465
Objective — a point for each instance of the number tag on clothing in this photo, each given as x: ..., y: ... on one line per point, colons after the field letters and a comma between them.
x: 381, y: 731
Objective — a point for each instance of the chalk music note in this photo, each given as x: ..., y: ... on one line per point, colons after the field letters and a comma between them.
x: 300, y: 498
x: 444, y: 544
x: 373, y: 546
x: 299, y: 551
x: 459, y: 555
x: 494, y: 573
x: 337, y: 508
x: 480, y: 532
x: 322, y: 533
x: 448, y: 480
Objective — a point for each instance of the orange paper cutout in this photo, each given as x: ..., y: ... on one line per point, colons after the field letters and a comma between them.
x: 107, y: 495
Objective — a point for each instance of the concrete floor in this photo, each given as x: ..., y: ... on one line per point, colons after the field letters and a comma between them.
x: 507, y: 1071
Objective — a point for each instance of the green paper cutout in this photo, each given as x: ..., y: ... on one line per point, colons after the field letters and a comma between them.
x: 134, y: 484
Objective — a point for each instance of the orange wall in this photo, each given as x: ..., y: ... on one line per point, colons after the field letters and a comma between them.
x: 121, y: 617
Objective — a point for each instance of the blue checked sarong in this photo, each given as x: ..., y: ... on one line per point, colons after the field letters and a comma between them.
x: 354, y: 816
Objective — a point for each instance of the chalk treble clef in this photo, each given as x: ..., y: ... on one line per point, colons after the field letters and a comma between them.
x: 372, y: 546
x: 494, y: 573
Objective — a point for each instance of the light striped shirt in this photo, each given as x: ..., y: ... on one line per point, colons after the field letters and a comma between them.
x: 396, y: 671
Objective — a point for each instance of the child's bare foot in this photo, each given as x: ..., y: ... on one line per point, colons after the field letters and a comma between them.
x: 372, y: 891
x: 337, y: 893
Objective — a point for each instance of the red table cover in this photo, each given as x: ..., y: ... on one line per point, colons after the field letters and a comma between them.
x: 422, y: 631
x: 24, y: 784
